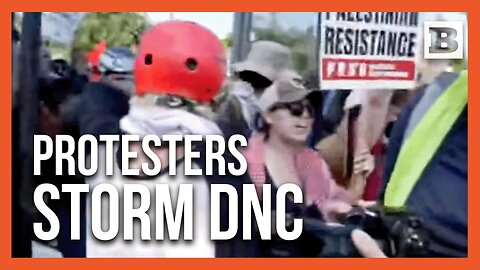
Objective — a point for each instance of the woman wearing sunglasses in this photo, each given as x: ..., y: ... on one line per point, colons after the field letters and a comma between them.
x: 277, y: 154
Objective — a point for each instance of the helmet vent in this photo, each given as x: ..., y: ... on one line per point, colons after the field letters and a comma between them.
x: 148, y: 59
x: 191, y: 64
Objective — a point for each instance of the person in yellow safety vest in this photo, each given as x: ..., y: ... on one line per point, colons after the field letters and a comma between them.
x: 427, y: 167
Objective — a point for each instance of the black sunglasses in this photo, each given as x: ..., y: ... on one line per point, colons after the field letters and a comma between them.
x: 295, y: 108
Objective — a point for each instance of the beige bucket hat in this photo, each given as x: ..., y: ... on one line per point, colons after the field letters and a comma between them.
x: 269, y: 59
x: 285, y: 91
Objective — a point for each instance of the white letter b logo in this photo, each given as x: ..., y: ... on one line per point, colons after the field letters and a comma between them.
x: 443, y: 40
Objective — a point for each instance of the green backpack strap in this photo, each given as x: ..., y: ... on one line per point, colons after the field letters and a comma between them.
x: 423, y: 143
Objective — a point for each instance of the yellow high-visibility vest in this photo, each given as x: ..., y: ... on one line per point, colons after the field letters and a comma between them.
x: 427, y: 136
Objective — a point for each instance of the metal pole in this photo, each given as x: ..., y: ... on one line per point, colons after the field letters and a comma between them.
x: 29, y: 101
x: 237, y: 26
x: 317, y: 50
x: 13, y: 59
x: 242, y: 25
x: 318, y: 131
x: 21, y: 242
x: 247, y: 31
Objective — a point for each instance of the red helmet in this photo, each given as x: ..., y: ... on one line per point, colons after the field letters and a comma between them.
x: 182, y: 59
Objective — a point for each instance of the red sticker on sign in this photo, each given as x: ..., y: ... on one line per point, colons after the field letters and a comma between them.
x: 358, y: 69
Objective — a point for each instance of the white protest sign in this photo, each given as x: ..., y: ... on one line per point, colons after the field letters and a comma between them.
x: 60, y: 27
x: 369, y: 50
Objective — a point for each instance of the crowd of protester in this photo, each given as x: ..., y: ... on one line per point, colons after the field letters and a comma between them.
x: 342, y: 147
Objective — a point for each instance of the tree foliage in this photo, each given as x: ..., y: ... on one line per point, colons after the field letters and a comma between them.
x: 117, y: 28
x: 228, y: 41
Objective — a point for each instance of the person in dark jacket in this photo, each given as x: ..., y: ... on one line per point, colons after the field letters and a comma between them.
x: 104, y: 103
x: 100, y: 109
x: 92, y: 108
x: 56, y: 95
x: 439, y: 197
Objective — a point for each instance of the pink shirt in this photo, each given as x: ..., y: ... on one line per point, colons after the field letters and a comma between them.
x: 311, y: 168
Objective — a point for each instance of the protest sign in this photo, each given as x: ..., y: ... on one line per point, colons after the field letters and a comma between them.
x: 369, y: 50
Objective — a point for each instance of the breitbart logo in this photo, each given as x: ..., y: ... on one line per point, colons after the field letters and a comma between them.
x: 443, y: 39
